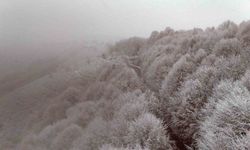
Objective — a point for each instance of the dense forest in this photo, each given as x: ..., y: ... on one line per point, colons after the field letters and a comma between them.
x: 176, y: 90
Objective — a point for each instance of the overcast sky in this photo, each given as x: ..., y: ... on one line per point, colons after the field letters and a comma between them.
x: 31, y: 21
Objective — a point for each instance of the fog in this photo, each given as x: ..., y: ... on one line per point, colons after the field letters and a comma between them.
x: 59, y: 21
x: 92, y: 74
x: 31, y: 30
x: 36, y: 29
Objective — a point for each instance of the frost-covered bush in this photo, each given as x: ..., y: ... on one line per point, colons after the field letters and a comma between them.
x: 56, y: 109
x: 66, y: 138
x: 176, y: 75
x: 229, y: 29
x: 131, y: 110
x: 156, y: 36
x: 125, y: 125
x: 128, y: 47
x: 246, y: 79
x: 155, y: 65
x: 86, y: 126
x: 82, y: 113
x: 157, y: 70
x: 227, y: 126
x: 59, y: 105
x: 148, y: 131
x: 95, y: 134
x: 89, y: 72
x: 244, y: 32
x: 122, y: 74
x: 100, y: 90
x: 44, y: 138
x: 230, y: 68
x: 193, y: 96
x: 227, y: 47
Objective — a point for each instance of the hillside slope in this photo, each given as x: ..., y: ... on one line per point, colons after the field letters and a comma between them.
x: 174, y: 90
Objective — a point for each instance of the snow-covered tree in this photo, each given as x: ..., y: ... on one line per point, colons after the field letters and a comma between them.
x: 193, y: 96
x: 229, y: 29
x: 227, y: 126
x: 244, y: 32
x: 147, y: 131
x: 246, y: 79
x: 227, y: 47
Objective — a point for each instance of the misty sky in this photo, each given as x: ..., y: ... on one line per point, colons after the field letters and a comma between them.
x: 23, y: 22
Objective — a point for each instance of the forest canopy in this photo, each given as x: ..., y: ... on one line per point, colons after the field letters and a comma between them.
x: 185, y: 89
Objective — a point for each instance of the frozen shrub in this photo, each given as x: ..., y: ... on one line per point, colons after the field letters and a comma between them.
x: 55, y: 111
x: 94, y: 135
x: 167, y: 32
x: 172, y: 83
x: 131, y: 110
x: 124, y: 109
x: 58, y: 106
x: 29, y: 143
x: 157, y: 37
x: 157, y: 70
x: 126, y: 80
x: 155, y: 56
x: 209, y: 60
x: 129, y: 47
x: 110, y: 69
x: 119, y: 127
x: 72, y: 95
x: 227, y: 47
x: 246, y: 80
x: 130, y: 107
x: 228, y: 29
x: 193, y: 96
x: 227, y: 127
x: 44, y: 138
x: 176, y: 75
x: 148, y: 131
x: 200, y: 54
x: 88, y: 74
x: 66, y: 138
x: 244, y: 32
x: 230, y: 68
x: 207, y: 39
x: 122, y: 75
x: 222, y: 88
x: 82, y: 113
x: 153, y: 37
x: 129, y: 97
x: 100, y: 90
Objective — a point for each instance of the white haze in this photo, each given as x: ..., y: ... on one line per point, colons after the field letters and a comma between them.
x: 32, y: 29
x: 173, y: 89
x: 59, y: 21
